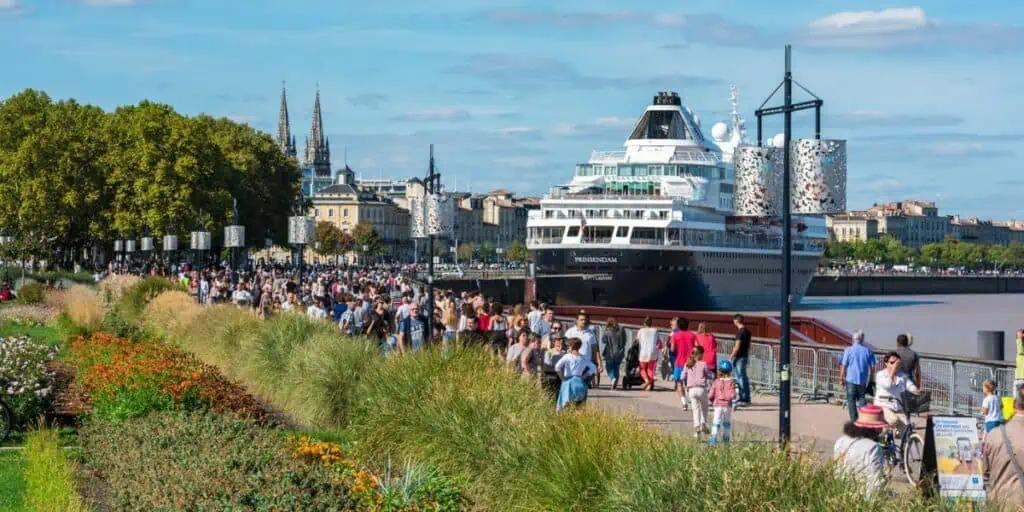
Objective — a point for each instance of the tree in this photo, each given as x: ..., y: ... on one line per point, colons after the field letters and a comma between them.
x: 517, y: 251
x: 465, y: 252
x: 333, y: 241
x: 367, y: 241
x: 486, y: 250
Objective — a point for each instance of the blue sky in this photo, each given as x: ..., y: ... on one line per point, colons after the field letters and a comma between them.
x: 513, y: 94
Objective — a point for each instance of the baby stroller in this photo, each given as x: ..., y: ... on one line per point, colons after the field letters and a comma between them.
x: 631, y: 375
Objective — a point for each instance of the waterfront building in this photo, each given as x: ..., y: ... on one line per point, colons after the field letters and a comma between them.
x: 851, y: 227
x: 346, y: 206
x: 918, y: 223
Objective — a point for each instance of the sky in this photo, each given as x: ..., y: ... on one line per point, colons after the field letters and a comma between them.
x: 514, y: 94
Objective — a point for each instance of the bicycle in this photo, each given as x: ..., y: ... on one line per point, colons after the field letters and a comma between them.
x: 908, y: 453
x: 6, y: 416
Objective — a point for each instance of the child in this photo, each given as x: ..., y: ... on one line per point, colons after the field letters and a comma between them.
x: 991, y: 406
x: 696, y: 377
x: 722, y: 395
x: 573, y: 368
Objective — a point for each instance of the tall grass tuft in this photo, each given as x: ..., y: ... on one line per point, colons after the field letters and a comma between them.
x: 134, y: 299
x: 84, y: 307
x: 113, y: 287
x: 171, y: 310
x: 49, y: 476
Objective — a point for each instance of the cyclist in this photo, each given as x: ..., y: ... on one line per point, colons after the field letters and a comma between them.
x: 891, y: 384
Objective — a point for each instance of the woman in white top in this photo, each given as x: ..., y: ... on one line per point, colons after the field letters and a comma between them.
x: 647, y: 339
x: 892, y: 384
x: 573, y: 368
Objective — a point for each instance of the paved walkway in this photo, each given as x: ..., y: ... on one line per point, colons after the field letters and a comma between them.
x: 814, y: 426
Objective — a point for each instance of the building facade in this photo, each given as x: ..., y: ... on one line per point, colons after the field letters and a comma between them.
x: 918, y: 223
x: 346, y: 206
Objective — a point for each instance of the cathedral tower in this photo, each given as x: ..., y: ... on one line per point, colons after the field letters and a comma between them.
x: 318, y: 147
x: 285, y: 139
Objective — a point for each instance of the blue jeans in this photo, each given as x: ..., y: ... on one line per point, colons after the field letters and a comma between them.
x: 854, y: 398
x: 612, y: 366
x: 740, y: 372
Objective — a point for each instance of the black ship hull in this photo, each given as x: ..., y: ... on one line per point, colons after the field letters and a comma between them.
x: 676, y: 279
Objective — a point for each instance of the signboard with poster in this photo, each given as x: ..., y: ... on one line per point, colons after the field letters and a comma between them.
x: 952, y: 452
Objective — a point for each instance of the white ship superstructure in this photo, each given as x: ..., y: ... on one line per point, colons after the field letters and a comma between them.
x: 653, y: 225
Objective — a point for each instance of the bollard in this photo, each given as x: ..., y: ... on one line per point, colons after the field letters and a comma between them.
x: 992, y: 345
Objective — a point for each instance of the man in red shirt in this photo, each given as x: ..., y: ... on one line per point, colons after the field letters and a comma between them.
x: 682, y: 343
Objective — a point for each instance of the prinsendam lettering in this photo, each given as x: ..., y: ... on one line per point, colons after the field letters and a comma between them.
x: 596, y: 259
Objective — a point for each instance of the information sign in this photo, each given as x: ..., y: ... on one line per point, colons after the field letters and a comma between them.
x: 953, y: 455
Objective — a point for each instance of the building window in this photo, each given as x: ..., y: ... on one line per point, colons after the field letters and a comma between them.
x: 344, y: 212
x: 330, y: 212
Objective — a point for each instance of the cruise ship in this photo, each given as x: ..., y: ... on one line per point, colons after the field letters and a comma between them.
x: 655, y: 227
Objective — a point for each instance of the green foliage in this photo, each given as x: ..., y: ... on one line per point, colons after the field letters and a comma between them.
x: 486, y: 251
x: 367, y: 241
x: 32, y: 293
x: 174, y: 458
x: 49, y: 475
x: 517, y: 252
x: 333, y: 241
x: 949, y: 253
x: 28, y: 382
x: 75, y: 175
x: 465, y: 252
x: 12, y: 482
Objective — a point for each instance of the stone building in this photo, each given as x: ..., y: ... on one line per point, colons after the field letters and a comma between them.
x: 918, y: 223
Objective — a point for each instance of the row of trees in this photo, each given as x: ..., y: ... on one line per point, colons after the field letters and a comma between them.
x: 949, y: 253
x: 73, y: 176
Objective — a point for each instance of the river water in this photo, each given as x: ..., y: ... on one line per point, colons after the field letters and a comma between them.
x: 943, y: 324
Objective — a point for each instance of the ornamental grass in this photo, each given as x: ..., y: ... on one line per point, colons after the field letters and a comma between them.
x: 114, y: 286
x: 84, y: 307
x: 49, y: 475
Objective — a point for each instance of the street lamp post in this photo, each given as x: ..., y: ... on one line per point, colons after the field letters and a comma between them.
x: 234, y: 238
x: 146, y: 246
x: 170, y: 245
x: 129, y: 249
x: 301, y: 232
x: 118, y: 248
x: 787, y: 110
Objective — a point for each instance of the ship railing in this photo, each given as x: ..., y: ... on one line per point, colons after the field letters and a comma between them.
x: 545, y: 240
x: 954, y: 383
x: 617, y: 196
x: 616, y: 156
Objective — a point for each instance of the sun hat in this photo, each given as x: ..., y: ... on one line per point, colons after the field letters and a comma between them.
x: 870, y: 416
x: 725, y: 366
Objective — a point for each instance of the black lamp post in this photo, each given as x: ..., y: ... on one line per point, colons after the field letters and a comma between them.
x: 118, y: 248
x: 129, y: 249
x: 170, y: 245
x: 146, y: 246
x: 787, y: 110
x: 234, y: 238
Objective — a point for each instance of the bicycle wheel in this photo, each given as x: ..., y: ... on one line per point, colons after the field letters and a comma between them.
x: 913, y: 453
x: 6, y: 421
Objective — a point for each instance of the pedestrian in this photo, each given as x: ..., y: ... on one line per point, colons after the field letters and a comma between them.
x: 857, y: 451
x: 498, y: 326
x: 1003, y: 459
x: 740, y: 356
x: 533, y: 358
x: 910, y: 361
x: 991, y: 406
x: 697, y: 376
x: 589, y: 349
x: 722, y: 395
x: 412, y: 331
x: 647, y: 339
x: 1018, y: 374
x: 515, y: 351
x: 573, y: 368
x: 854, y: 372
x: 708, y: 342
x: 614, y: 340
x: 681, y: 344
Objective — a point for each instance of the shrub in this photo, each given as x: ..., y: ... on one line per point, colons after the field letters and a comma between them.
x: 208, y: 462
x: 49, y: 475
x: 32, y: 293
x: 29, y: 382
x: 84, y: 307
x: 134, y: 299
x: 124, y: 380
x: 114, y: 286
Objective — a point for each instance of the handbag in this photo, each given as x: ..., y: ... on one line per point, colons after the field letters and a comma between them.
x: 1013, y: 458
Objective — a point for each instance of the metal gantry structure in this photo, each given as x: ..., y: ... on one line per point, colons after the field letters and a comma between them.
x: 787, y: 109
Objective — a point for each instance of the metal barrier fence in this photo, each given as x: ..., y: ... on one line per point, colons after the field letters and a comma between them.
x: 955, y: 384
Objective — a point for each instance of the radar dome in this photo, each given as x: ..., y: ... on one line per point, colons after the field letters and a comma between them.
x: 778, y: 141
x: 719, y: 131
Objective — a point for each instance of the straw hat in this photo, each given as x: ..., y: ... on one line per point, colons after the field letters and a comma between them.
x: 870, y: 416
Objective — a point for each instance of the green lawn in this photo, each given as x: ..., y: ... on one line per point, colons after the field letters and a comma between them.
x: 43, y: 333
x: 12, y: 482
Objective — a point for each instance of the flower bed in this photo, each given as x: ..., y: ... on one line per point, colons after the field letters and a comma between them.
x: 122, y: 380
x: 28, y: 380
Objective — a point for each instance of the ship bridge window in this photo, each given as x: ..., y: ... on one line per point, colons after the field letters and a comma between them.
x: 574, y: 231
x: 623, y: 231
x: 660, y: 124
x: 597, y: 234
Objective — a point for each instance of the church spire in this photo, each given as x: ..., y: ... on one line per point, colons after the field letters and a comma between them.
x: 285, y: 140
x: 318, y: 152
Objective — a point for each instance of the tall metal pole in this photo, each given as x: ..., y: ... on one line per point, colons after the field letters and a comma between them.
x: 787, y: 254
x: 430, y: 254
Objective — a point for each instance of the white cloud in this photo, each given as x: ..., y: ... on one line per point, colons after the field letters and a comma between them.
x: 249, y: 120
x: 899, y: 19
x: 437, y: 114
x: 876, y: 117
